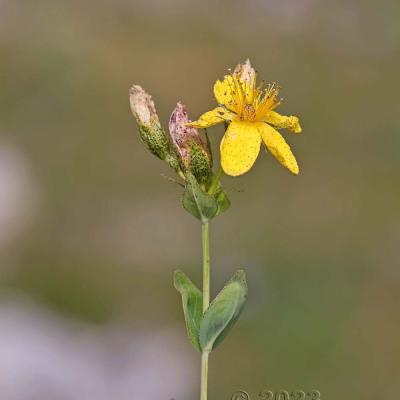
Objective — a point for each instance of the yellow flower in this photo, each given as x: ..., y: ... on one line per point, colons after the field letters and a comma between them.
x: 249, y: 112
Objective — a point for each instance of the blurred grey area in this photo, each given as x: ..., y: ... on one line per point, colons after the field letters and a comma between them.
x: 46, y: 357
x: 90, y: 231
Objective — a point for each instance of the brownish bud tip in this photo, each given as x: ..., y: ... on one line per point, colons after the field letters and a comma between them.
x: 142, y: 106
x: 245, y: 72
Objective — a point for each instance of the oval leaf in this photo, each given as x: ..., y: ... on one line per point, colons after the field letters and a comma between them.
x: 223, y: 312
x: 192, y: 301
x: 223, y: 201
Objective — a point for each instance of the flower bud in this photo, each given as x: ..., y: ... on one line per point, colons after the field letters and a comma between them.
x: 245, y: 72
x: 151, y: 132
x: 192, y: 150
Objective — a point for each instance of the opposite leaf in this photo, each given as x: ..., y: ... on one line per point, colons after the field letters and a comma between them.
x: 197, y: 202
x: 223, y: 312
x: 218, y: 193
x: 192, y: 301
x: 223, y: 201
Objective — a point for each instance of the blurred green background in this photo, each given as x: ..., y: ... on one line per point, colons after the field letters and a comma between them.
x: 91, y: 232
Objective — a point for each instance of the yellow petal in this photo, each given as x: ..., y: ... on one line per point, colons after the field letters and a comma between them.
x: 240, y: 147
x: 278, y: 147
x: 226, y: 92
x: 281, y: 121
x: 213, y: 117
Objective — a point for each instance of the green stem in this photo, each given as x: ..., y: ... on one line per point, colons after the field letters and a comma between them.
x: 206, y: 302
x: 204, y: 376
x: 206, y: 264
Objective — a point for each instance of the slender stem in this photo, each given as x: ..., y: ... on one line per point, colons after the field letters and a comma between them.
x: 204, y: 376
x: 206, y: 302
x: 206, y: 264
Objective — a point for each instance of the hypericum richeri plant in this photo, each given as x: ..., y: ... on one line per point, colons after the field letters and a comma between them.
x: 248, y: 111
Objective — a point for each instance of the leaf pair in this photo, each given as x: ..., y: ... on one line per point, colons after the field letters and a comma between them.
x: 206, y: 331
x: 201, y: 204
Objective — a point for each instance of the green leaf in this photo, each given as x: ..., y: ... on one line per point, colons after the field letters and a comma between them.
x: 223, y: 312
x: 222, y: 201
x: 192, y: 301
x: 197, y: 202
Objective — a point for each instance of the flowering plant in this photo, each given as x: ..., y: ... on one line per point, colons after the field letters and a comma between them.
x: 248, y: 111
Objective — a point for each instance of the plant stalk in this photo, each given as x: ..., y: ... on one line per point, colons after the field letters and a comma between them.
x: 206, y: 302
x: 206, y: 264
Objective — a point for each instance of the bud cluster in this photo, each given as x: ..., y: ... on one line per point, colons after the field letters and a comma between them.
x: 183, y: 149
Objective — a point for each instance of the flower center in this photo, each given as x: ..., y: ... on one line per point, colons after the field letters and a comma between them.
x: 251, y: 103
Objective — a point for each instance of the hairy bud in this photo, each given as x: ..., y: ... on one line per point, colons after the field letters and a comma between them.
x: 151, y: 132
x: 192, y: 150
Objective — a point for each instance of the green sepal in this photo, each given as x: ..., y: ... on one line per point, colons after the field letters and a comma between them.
x: 155, y: 139
x: 209, y: 150
x: 199, y: 162
x: 192, y: 301
x: 223, y: 312
x: 197, y: 202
